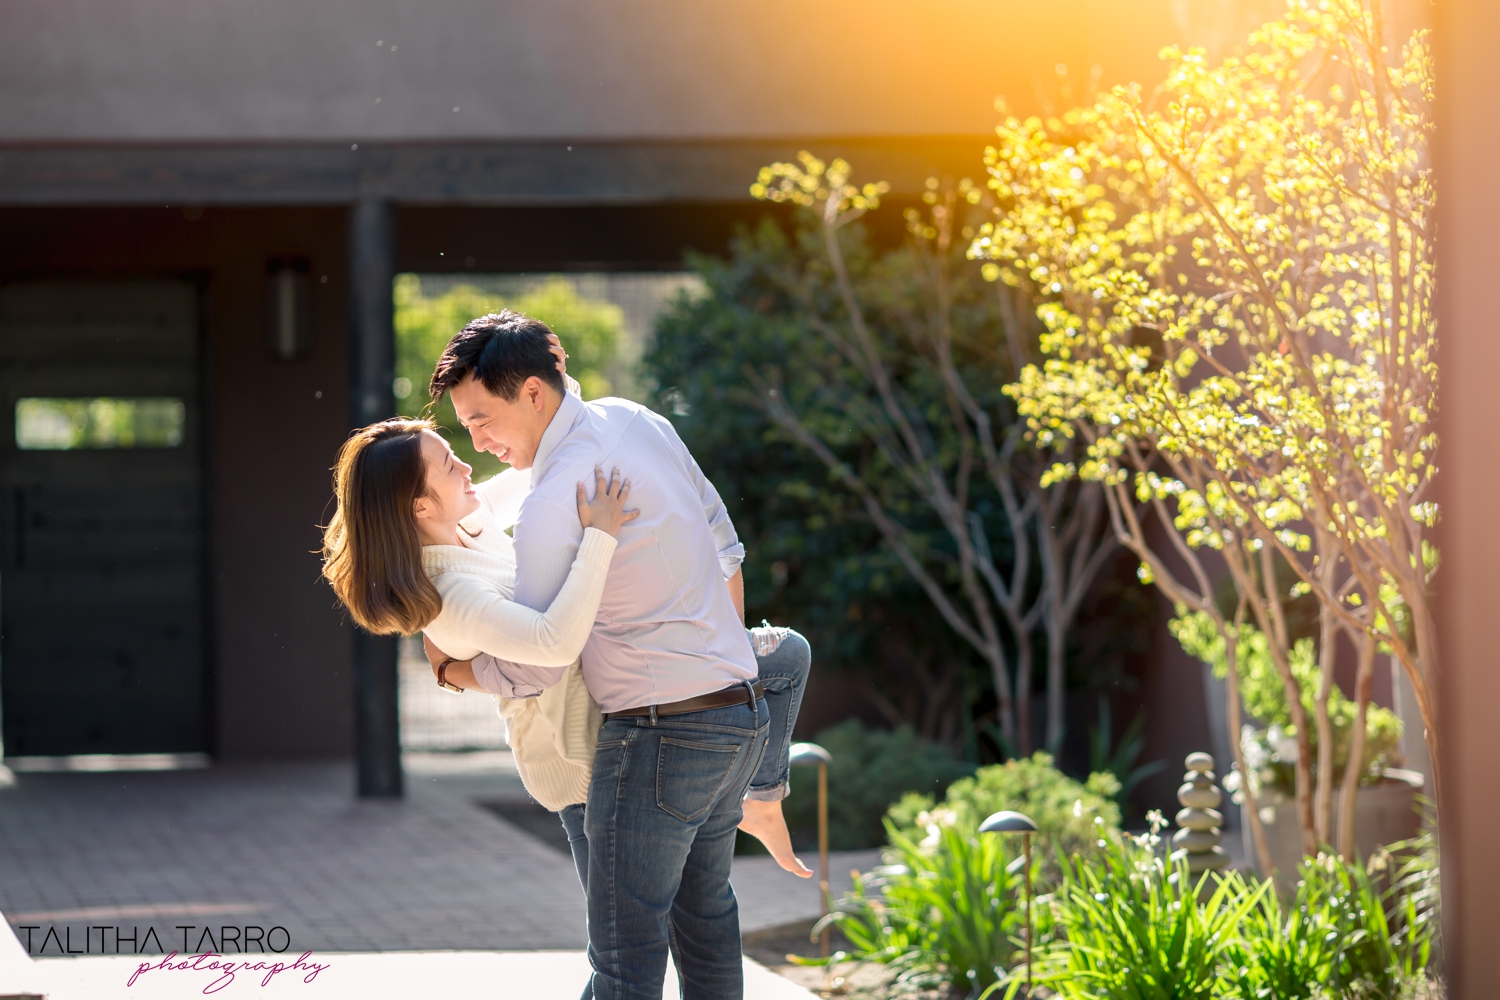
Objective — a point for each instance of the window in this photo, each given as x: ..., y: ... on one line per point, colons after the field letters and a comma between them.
x: 60, y: 424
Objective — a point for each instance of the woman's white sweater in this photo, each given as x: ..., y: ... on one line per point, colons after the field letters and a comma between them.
x: 553, y: 735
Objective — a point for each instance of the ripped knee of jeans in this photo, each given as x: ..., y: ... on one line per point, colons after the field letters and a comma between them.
x: 765, y: 637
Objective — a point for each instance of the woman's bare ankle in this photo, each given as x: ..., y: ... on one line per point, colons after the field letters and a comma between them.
x: 765, y: 822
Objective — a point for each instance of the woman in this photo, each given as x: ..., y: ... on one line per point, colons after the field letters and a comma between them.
x: 415, y: 546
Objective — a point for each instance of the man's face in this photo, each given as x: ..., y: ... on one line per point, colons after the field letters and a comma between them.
x: 511, y: 430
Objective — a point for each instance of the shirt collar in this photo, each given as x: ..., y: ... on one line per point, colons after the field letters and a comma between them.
x: 568, y: 414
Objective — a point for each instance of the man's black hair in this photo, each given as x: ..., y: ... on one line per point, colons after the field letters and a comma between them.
x: 501, y: 350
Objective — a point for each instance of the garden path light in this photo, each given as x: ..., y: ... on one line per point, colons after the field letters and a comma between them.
x: 811, y: 753
x: 1008, y: 821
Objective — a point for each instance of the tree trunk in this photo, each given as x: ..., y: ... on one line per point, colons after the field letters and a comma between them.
x: 1056, y: 677
x: 1024, y: 667
x: 1252, y: 811
x: 1352, y: 768
x: 1323, y: 803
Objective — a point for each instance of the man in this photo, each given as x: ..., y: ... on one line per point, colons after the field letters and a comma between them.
x: 669, y: 661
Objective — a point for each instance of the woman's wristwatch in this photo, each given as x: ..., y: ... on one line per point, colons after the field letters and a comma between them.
x: 442, y: 676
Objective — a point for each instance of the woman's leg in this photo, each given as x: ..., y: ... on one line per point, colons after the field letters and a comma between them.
x: 784, y: 658
x: 578, y: 843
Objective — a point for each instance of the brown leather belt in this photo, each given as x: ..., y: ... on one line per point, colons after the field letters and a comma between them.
x: 717, y: 699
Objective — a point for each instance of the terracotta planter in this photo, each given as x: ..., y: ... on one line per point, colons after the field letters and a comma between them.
x: 1383, y: 814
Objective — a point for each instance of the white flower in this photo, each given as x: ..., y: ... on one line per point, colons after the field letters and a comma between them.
x: 1255, y: 752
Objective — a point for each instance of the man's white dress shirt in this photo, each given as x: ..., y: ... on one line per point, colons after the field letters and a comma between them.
x: 667, y: 629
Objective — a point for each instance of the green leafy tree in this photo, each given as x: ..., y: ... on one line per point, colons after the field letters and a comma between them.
x: 1235, y: 274
x: 426, y: 319
x: 815, y: 561
x: 1265, y: 697
x: 901, y: 359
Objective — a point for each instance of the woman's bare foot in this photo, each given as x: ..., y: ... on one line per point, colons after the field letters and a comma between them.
x: 764, y: 822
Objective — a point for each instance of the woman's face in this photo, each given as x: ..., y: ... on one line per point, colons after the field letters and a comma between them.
x: 450, y: 496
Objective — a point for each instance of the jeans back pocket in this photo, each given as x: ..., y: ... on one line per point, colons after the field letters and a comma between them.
x: 690, y: 775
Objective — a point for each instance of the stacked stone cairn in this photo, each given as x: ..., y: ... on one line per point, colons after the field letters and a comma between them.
x: 1199, y: 819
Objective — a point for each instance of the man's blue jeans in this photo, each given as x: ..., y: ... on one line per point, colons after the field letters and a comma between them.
x: 783, y: 674
x: 661, y: 817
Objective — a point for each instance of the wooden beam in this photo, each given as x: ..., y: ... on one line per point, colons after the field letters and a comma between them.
x: 480, y: 173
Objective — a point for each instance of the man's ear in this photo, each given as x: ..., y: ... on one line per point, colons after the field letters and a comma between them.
x: 534, y: 394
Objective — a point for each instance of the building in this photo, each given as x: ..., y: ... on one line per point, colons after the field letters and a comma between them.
x: 201, y: 212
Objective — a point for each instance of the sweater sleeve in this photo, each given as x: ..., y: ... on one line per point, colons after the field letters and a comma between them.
x: 511, y: 631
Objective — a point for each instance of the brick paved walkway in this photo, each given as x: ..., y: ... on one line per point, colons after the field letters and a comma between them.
x: 289, y: 846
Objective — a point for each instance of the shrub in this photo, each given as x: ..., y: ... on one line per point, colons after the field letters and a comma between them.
x: 1064, y: 810
x: 1270, y: 750
x: 943, y: 913
x: 1138, y: 925
x: 1127, y: 921
x: 871, y: 769
x: 1285, y: 953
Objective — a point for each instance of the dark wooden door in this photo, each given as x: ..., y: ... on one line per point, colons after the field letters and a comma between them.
x: 101, y: 518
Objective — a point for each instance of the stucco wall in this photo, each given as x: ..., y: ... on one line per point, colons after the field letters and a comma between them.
x: 162, y: 70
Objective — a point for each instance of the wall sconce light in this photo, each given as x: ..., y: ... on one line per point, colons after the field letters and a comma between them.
x: 289, y: 307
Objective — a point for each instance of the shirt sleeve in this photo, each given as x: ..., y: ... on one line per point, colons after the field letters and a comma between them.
x: 514, y: 680
x: 726, y: 540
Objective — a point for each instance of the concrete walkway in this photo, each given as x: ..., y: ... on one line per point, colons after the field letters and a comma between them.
x: 224, y: 858
x: 451, y: 975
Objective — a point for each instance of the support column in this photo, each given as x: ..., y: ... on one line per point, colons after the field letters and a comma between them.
x: 372, y: 363
x: 1468, y: 687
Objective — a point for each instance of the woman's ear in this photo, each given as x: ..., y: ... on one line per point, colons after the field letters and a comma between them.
x: 422, y: 507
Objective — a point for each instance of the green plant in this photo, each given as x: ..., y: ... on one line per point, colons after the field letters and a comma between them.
x: 1386, y: 943
x: 1063, y: 809
x: 815, y: 562
x: 429, y: 310
x: 944, y: 912
x: 1121, y: 760
x: 1134, y: 924
x: 1342, y: 931
x: 871, y: 769
x: 1264, y: 695
x: 1416, y: 877
x: 1285, y: 953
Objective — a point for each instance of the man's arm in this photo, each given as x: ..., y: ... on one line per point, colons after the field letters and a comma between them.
x: 726, y: 540
x: 737, y: 592
x: 494, y: 675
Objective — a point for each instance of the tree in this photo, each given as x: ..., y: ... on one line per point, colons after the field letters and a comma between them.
x: 814, y: 560
x: 424, y: 322
x: 909, y: 361
x: 1236, y: 278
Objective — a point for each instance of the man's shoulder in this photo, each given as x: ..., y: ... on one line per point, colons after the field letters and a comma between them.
x: 608, y: 423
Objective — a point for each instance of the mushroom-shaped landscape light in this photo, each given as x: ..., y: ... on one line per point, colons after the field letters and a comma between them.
x: 811, y: 753
x: 1008, y: 821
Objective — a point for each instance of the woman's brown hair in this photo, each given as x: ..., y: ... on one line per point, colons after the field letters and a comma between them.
x: 372, y: 554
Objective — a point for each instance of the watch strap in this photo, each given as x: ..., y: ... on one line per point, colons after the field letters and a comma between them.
x: 442, y: 676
